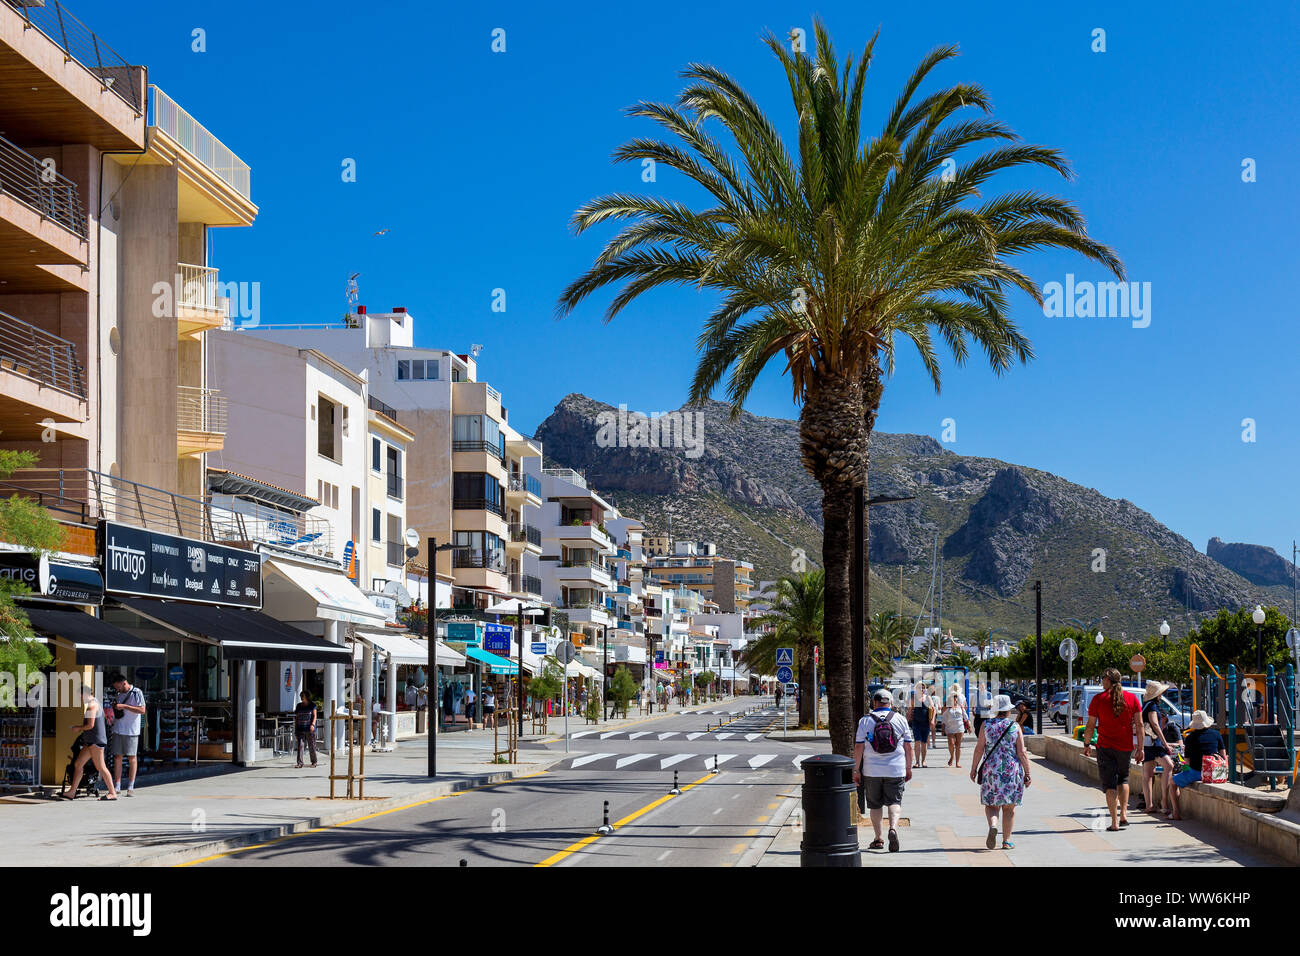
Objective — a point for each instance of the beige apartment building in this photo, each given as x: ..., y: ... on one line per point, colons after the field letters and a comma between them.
x: 728, y: 582
x: 108, y: 190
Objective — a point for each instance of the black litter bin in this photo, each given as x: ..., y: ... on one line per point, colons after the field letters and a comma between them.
x: 829, y: 836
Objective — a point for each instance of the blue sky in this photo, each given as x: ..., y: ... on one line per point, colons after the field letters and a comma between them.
x: 474, y: 161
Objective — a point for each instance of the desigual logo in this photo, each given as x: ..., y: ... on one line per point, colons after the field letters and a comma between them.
x: 126, y: 559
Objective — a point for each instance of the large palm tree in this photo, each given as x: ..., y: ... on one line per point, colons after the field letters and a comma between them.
x: 829, y: 254
x: 797, y: 615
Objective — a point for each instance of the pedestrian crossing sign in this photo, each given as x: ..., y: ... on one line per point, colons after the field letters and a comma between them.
x: 785, y: 656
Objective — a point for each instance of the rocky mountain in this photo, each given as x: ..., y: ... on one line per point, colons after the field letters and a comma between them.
x: 987, y: 528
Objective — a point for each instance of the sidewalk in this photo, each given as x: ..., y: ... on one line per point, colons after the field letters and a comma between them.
x: 1062, y: 822
x: 172, y: 822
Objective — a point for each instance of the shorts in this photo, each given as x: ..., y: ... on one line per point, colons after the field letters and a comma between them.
x: 124, y: 746
x: 489, y: 710
x: 882, y: 791
x: 1152, y: 752
x: 1113, y: 767
x: 921, y: 732
x: 1190, y: 775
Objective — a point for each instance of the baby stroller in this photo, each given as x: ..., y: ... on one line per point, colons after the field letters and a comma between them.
x: 89, y: 785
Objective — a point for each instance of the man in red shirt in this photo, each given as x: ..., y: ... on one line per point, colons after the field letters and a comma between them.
x: 1117, y: 716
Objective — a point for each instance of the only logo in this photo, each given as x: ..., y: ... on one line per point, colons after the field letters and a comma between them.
x: 76, y: 909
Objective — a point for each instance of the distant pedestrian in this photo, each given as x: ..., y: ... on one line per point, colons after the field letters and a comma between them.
x: 470, y: 697
x: 489, y: 706
x: 1204, y: 741
x: 1001, y: 766
x: 128, y: 712
x: 1155, y: 751
x: 94, y: 738
x: 956, y: 721
x: 1117, y: 716
x: 1025, y: 717
x: 985, y: 709
x: 921, y: 714
x: 882, y: 765
x: 304, y: 726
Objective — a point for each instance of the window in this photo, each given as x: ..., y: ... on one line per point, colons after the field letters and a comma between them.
x: 327, y: 427
x: 478, y: 433
x: 476, y: 491
x: 417, y: 370
x: 479, y: 549
x: 394, y: 472
x: 376, y: 531
x: 376, y: 455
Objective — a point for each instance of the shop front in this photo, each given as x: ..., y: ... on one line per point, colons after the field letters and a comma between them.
x: 399, y: 663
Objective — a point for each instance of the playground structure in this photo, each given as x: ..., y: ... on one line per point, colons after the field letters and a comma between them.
x: 1256, y: 713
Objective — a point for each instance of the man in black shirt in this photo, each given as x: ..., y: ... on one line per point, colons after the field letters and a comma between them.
x: 304, y: 726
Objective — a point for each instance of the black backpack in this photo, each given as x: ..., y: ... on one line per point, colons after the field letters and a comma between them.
x: 884, y: 738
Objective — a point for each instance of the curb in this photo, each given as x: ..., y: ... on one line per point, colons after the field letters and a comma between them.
x: 179, y: 857
x: 762, y: 843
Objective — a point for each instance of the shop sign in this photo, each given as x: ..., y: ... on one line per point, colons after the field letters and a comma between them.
x: 150, y: 564
x: 466, y: 631
x: 497, y: 638
x: 53, y: 581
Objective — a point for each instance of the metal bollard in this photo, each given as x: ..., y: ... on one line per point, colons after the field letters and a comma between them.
x: 676, y: 790
x: 605, y: 827
x: 715, y: 763
x: 830, y: 839
x: 464, y: 863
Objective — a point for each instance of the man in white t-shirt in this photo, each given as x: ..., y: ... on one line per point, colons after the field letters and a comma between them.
x: 882, y: 764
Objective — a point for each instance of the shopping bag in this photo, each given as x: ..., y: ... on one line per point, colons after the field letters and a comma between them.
x: 1214, y: 769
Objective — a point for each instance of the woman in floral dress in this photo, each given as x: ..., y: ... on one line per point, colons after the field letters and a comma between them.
x: 1000, y: 753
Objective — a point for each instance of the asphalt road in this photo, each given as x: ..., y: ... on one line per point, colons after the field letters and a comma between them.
x: 552, y: 818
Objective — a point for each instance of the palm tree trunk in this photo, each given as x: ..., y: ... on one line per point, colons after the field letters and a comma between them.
x: 833, y: 445
x: 806, y: 688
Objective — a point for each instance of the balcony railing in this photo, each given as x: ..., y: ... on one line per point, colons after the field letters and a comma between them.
x: 84, y: 497
x: 526, y: 483
x: 566, y: 474
x: 38, y: 355
x: 395, y: 486
x: 477, y: 444
x: 51, y: 194
x: 525, y: 584
x: 377, y: 406
x: 396, y: 554
x: 525, y: 532
x: 593, y: 565
x: 478, y: 504
x: 199, y: 288
x: 493, y: 394
x: 200, y: 410
x: 80, y: 44
x: 167, y: 115
x: 470, y: 558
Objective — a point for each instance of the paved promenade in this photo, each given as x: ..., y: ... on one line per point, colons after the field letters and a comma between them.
x: 172, y: 822
x: 1062, y: 822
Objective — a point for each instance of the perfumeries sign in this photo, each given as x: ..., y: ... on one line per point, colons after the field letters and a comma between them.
x: 149, y: 564
x: 52, y: 581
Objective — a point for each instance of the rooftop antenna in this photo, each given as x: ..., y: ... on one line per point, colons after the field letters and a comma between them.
x: 475, y: 349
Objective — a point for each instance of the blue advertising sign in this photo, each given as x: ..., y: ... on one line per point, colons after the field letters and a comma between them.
x: 538, y: 648
x: 496, y: 638
x: 659, y: 657
x: 465, y: 631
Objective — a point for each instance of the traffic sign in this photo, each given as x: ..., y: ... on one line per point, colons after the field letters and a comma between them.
x: 538, y: 647
x: 176, y: 672
x: 565, y: 651
x: 816, y: 654
x: 1137, y: 663
x: 1292, y: 638
x: 785, y: 655
x: 1069, y: 649
x: 784, y: 674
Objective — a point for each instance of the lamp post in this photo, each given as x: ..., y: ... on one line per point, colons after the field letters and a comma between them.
x: 1038, y: 655
x: 1258, y: 617
x: 604, y: 692
x: 1164, y: 633
x: 431, y: 681
x: 520, y: 610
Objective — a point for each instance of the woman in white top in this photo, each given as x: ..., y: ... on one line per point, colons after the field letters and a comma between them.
x: 955, y: 723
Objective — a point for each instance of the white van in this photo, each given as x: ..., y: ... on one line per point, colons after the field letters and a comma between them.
x: 1179, y: 718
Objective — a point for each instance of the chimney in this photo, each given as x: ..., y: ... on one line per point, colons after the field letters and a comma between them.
x: 361, y: 310
x: 399, y: 308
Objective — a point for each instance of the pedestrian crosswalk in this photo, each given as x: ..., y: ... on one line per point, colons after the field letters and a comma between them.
x: 676, y: 734
x: 684, y: 762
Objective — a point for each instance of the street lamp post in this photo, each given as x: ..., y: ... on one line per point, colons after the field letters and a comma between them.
x: 1038, y: 653
x: 1164, y: 633
x: 431, y: 698
x: 1258, y: 617
x: 604, y: 687
x: 519, y: 678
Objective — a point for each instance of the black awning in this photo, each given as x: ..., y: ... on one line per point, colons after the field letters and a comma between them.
x: 243, y: 634
x: 95, y: 642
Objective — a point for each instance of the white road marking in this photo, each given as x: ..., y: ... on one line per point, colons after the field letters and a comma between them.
x: 620, y: 764
x: 579, y: 761
x: 581, y: 733
x: 724, y: 736
x: 698, y: 733
x: 723, y: 758
x: 639, y: 733
x: 675, y: 758
x: 800, y: 759
x: 672, y: 733
x: 717, y: 811
x: 695, y: 831
x: 735, y: 796
x: 607, y: 734
x: 752, y: 736
x: 663, y: 856
x: 756, y: 762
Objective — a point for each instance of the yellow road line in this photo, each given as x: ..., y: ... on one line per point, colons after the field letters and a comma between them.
x: 752, y: 831
x: 773, y: 806
x: 764, y: 818
x: 738, y: 848
x: 587, y: 841
x: 369, y: 816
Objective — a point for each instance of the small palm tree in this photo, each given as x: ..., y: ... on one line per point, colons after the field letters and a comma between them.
x: 828, y: 255
x: 890, y: 637
x: 797, y: 616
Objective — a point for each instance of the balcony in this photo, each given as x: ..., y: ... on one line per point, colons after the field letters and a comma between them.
x: 81, y: 496
x: 469, y: 559
x: 525, y: 584
x: 524, y: 490
x: 584, y: 536
x: 583, y: 572
x: 42, y: 226
x: 199, y: 304
x: 524, y: 537
x: 382, y: 408
x: 479, y: 504
x: 566, y: 474
x: 200, y: 420
x: 216, y: 185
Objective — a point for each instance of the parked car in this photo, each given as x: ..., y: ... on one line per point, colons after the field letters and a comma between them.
x: 1180, y: 717
x: 1058, y: 707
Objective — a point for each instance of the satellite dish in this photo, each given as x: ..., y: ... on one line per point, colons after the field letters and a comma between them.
x: 395, y: 590
x: 412, y: 538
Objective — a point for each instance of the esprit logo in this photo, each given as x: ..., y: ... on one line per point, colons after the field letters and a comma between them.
x: 126, y: 559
